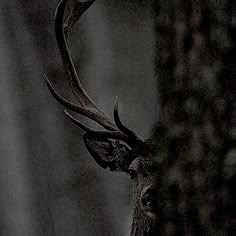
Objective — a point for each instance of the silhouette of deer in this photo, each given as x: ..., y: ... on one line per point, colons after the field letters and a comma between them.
x: 180, y: 183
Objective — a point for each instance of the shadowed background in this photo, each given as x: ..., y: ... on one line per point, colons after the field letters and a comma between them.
x: 49, y: 184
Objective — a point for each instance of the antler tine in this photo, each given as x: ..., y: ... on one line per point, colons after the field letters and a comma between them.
x: 93, y: 115
x: 78, y: 9
x: 99, y: 133
x: 121, y: 126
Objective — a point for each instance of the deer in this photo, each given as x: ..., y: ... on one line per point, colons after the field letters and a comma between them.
x: 117, y: 147
x: 173, y: 193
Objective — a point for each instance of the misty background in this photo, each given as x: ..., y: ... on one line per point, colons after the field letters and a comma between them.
x: 49, y: 184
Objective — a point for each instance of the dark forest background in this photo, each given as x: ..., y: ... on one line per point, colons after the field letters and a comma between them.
x: 49, y: 185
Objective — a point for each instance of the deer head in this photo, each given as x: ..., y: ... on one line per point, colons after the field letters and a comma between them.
x: 117, y: 147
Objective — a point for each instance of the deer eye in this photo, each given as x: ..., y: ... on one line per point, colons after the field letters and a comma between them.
x: 132, y: 173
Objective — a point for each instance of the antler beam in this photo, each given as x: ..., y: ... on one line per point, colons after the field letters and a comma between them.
x: 86, y: 106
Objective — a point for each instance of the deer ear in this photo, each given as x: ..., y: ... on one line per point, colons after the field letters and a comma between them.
x: 108, y: 153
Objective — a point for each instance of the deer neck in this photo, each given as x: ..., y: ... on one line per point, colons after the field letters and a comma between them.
x: 142, y: 224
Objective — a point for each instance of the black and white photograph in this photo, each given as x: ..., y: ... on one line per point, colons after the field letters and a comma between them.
x: 117, y: 118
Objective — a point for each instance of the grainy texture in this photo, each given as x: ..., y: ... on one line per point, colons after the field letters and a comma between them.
x: 195, y: 68
x: 50, y: 186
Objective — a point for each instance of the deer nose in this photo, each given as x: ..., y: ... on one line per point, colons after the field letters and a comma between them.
x: 148, y: 200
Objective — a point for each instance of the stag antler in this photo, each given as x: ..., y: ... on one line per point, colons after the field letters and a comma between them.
x: 86, y: 106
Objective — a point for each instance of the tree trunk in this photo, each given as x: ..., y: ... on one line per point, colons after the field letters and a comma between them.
x: 195, y: 68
